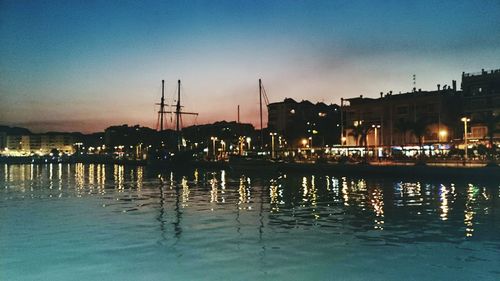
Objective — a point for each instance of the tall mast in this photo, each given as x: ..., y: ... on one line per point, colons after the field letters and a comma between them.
x: 178, y: 107
x: 260, y: 101
x: 162, y: 104
x: 178, y: 115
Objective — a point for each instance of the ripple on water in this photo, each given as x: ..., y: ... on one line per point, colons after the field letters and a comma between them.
x: 122, y: 223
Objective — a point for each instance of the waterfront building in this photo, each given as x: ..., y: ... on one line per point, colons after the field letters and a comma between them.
x: 41, y: 144
x: 223, y: 135
x: 296, y: 121
x: 481, y: 104
x: 417, y: 117
x: 3, y: 140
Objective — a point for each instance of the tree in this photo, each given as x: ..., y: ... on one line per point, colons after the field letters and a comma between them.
x: 356, y: 132
x: 403, y: 127
x: 419, y: 130
x: 491, y: 121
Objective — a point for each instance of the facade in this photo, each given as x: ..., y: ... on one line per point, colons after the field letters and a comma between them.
x: 295, y: 121
x: 409, y: 118
x: 3, y: 140
x: 39, y: 144
x: 481, y: 104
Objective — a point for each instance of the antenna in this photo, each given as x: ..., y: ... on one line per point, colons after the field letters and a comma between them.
x: 414, y: 82
x: 238, y: 114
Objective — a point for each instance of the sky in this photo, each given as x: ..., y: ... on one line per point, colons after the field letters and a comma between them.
x: 86, y: 65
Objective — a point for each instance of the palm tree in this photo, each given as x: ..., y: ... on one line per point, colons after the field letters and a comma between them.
x: 360, y: 134
x: 365, y: 130
x: 356, y: 133
x: 403, y: 127
x: 419, y: 130
x: 491, y: 120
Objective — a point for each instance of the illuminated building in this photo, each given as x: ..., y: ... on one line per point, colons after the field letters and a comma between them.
x: 481, y: 102
x: 297, y: 120
x: 397, y: 115
x: 40, y: 143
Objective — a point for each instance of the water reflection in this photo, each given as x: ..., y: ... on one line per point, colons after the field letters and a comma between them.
x: 440, y: 210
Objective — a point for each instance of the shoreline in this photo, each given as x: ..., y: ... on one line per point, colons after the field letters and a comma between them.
x: 411, y: 171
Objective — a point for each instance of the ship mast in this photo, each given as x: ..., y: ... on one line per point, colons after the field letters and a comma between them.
x: 162, y: 111
x: 262, y: 95
x: 178, y: 115
x: 260, y: 101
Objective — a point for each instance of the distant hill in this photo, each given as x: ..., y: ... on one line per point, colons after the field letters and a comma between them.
x: 14, y: 130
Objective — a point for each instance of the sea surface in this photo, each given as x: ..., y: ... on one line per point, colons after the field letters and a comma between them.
x: 105, y: 222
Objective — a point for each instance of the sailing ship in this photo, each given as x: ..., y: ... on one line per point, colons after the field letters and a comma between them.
x: 255, y: 161
x: 179, y: 155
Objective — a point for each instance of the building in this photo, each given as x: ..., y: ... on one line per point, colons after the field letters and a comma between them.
x: 296, y: 121
x: 416, y: 117
x: 3, y: 140
x: 39, y: 144
x: 481, y: 104
x: 228, y: 136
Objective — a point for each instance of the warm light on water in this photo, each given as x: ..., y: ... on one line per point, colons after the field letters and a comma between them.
x: 98, y: 222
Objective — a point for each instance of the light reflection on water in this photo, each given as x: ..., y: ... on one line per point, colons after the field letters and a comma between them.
x: 273, y: 209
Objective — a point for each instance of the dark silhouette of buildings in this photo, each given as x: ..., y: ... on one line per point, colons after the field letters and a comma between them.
x: 405, y: 118
x: 481, y: 103
x: 295, y: 121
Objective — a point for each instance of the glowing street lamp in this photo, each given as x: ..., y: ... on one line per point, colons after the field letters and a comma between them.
x: 442, y: 135
x: 248, y: 142
x: 223, y: 144
x: 272, y: 145
x: 214, y: 139
x: 304, y: 142
x: 465, y: 120
x: 376, y: 139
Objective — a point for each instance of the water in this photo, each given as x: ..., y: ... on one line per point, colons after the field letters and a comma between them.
x: 98, y: 222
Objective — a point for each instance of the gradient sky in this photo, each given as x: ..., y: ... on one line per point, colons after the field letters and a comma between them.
x: 86, y: 65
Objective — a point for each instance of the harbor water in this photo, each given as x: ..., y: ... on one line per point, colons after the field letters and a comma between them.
x: 113, y: 222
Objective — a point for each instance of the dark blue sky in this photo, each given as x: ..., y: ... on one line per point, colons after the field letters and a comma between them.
x: 84, y: 65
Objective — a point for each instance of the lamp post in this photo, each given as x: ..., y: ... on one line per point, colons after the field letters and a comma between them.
x: 214, y: 139
x: 248, y: 142
x: 376, y: 139
x: 465, y: 120
x: 273, y: 154
x: 443, y: 136
x: 223, y: 152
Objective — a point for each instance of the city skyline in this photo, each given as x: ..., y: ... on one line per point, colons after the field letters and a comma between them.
x: 84, y: 66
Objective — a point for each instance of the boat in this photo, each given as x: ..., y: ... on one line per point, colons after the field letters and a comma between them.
x: 256, y: 161
x: 179, y: 156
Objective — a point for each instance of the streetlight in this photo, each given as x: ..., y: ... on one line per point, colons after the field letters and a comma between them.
x: 465, y: 120
x: 304, y: 142
x: 248, y: 142
x: 223, y: 144
x: 442, y: 135
x: 376, y: 139
x: 272, y: 144
x: 241, y: 141
x: 214, y: 139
